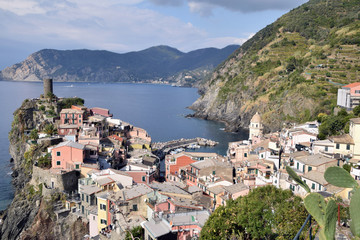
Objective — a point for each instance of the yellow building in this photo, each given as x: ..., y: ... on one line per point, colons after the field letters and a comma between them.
x: 343, y: 144
x: 103, y: 211
x: 354, y: 132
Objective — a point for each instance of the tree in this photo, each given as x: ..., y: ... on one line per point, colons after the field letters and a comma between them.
x: 50, y: 129
x: 356, y: 110
x: 136, y: 232
x: 34, y: 134
x: 265, y: 213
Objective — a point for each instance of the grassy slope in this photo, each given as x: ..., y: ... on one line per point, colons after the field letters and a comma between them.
x: 291, y: 69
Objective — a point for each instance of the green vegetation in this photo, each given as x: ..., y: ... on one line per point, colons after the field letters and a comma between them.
x: 34, y: 134
x: 44, y: 161
x: 291, y: 69
x: 67, y: 102
x: 265, y: 213
x: 335, y: 124
x: 50, y: 129
x: 136, y: 233
x: 325, y: 213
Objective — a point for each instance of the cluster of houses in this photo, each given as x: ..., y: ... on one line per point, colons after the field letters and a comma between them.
x: 116, y: 183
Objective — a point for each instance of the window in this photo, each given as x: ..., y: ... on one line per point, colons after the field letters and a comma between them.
x: 102, y: 207
x: 309, y: 168
x: 135, y: 208
x: 82, y: 209
x: 214, y: 172
x: 245, y: 154
x: 58, y: 163
x: 79, y: 120
x: 303, y: 168
x: 82, y: 197
x: 297, y: 166
x: 77, y: 166
x: 326, y: 148
x: 103, y: 221
x: 143, y: 178
x: 347, y: 146
x: 304, y: 181
x: 337, y: 146
x: 79, y: 115
x: 58, y: 154
x: 87, y: 198
x: 313, y: 186
x: 357, y: 91
x: 319, y: 187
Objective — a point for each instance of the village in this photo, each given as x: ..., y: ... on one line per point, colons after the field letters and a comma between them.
x: 113, y: 180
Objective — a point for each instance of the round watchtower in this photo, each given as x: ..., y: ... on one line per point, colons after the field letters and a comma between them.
x: 48, y: 87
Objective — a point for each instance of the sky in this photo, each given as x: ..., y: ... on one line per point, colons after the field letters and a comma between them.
x: 27, y: 26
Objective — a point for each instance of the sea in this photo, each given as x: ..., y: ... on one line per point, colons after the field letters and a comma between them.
x: 160, y: 109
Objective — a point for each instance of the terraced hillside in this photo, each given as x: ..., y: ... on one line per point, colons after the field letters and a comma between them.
x: 290, y: 70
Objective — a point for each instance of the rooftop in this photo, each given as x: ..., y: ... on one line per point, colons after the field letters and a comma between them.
x: 345, y: 138
x: 236, y: 188
x: 217, y: 189
x: 136, y: 191
x: 69, y: 110
x: 104, y: 180
x: 167, y: 187
x: 315, y: 176
x: 315, y: 160
x: 157, y: 228
x: 89, y: 189
x: 351, y: 85
x: 355, y: 120
x: 188, y: 218
x: 70, y: 144
x: 68, y: 126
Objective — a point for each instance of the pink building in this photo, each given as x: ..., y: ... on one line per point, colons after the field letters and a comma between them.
x: 173, y: 163
x: 138, y: 133
x: 67, y: 156
x: 71, y: 116
x: 349, y: 96
x: 101, y: 111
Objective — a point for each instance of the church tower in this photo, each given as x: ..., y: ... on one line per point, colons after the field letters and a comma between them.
x: 256, y: 127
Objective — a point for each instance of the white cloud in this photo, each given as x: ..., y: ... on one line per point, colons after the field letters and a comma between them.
x: 91, y: 24
x: 21, y: 7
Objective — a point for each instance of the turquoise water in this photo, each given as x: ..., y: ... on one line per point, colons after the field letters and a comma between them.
x: 160, y: 109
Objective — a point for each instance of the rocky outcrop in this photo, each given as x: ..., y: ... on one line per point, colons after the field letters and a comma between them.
x: 30, y: 215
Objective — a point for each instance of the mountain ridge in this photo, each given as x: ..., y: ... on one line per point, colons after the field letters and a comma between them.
x: 159, y: 63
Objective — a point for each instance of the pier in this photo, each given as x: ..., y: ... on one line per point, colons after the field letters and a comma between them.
x: 182, y: 143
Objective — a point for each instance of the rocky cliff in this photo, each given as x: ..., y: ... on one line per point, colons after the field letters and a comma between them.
x: 157, y: 64
x: 290, y: 70
x: 30, y: 215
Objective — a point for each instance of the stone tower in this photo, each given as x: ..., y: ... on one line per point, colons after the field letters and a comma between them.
x: 48, y: 86
x: 256, y: 127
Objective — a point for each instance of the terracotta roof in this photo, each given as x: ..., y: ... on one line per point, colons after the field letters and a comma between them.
x: 116, y: 137
x: 351, y: 85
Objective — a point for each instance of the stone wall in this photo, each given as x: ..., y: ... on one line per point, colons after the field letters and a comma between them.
x: 62, y: 182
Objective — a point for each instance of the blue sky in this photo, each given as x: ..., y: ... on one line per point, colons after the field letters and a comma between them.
x: 27, y: 26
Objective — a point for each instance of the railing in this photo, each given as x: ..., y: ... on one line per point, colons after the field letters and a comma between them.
x: 308, y: 219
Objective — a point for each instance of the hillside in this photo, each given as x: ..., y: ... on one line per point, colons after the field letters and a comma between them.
x: 156, y: 63
x: 288, y: 71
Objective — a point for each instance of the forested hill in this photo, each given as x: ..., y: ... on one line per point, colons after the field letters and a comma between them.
x: 288, y: 71
x: 156, y: 63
